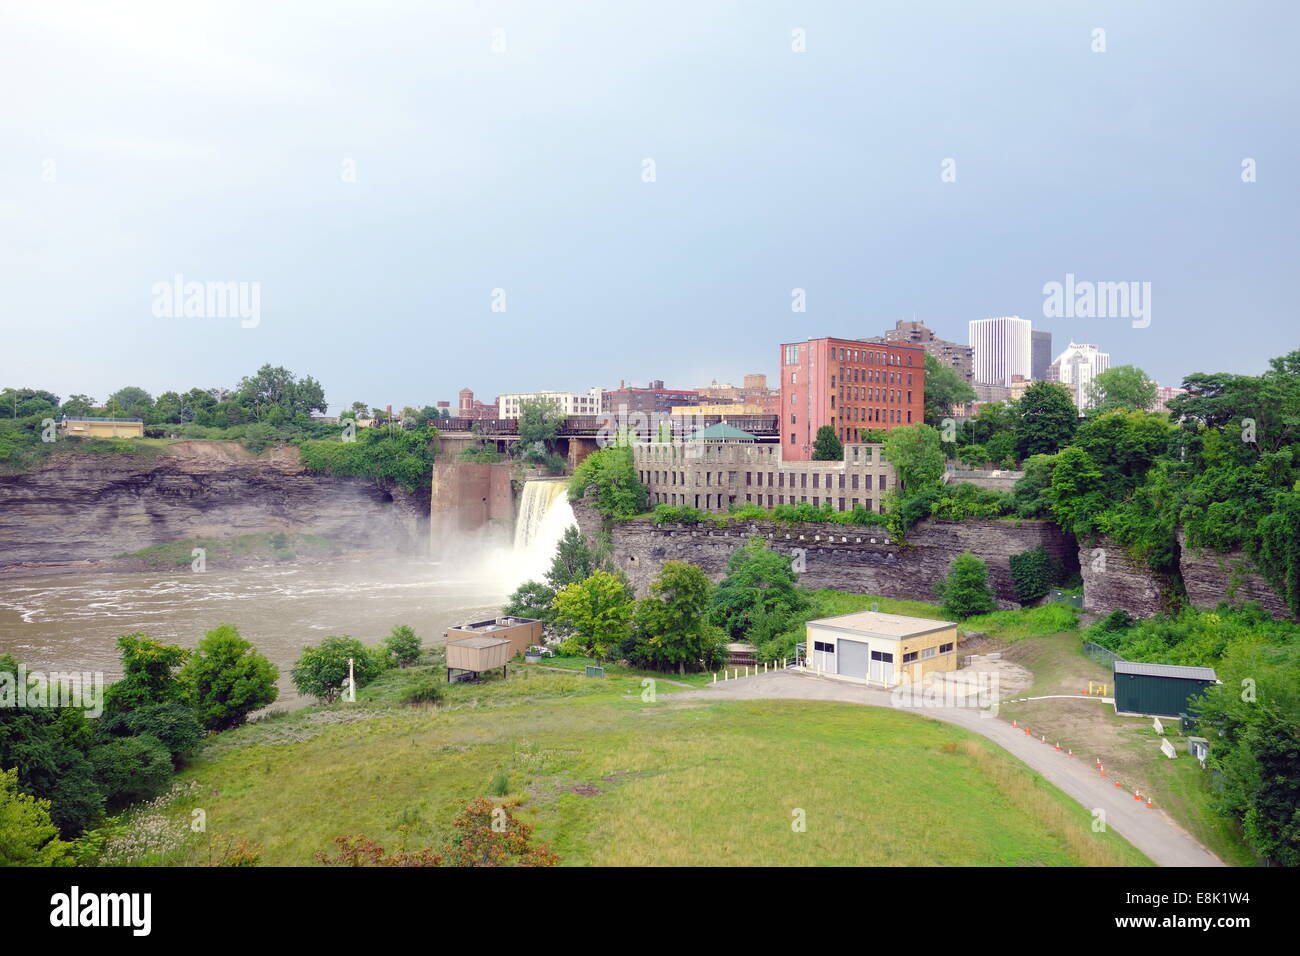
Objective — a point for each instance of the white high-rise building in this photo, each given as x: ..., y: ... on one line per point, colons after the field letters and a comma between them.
x: 569, y: 403
x: 1076, y: 367
x: 1003, y: 347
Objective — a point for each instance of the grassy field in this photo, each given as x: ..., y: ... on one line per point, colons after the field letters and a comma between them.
x: 609, y: 779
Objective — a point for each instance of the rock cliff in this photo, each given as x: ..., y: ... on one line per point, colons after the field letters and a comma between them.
x: 837, y: 556
x: 83, y: 507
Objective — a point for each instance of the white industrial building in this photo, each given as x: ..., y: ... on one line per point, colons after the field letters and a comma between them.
x: 568, y: 403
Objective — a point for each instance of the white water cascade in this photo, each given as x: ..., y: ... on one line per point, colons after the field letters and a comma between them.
x: 544, y: 515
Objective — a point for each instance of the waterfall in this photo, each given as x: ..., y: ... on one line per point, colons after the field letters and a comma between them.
x: 544, y: 515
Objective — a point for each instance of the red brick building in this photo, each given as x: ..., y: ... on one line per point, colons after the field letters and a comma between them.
x: 849, y: 384
x: 647, y: 401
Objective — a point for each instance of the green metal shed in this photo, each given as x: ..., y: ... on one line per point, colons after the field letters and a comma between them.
x: 1158, y: 690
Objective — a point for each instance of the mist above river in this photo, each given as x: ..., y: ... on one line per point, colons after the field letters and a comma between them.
x: 71, y: 621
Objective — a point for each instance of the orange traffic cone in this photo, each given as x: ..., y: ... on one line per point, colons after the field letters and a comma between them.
x: 1136, y: 795
x: 1148, y: 801
x: 1014, y: 724
x: 1118, y: 785
x: 1058, y: 745
x: 1069, y: 753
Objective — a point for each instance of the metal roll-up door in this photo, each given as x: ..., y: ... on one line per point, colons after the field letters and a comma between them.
x: 853, y: 658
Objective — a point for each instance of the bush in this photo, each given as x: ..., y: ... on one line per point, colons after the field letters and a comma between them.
x: 131, y: 769
x: 322, y: 671
x: 1033, y: 573
x: 427, y: 689
x: 966, y: 590
x: 611, y: 471
x: 402, y: 645
x: 227, y: 679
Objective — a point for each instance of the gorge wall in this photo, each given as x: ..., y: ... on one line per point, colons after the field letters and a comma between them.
x: 82, y: 507
x: 843, y: 557
x: 1111, y: 581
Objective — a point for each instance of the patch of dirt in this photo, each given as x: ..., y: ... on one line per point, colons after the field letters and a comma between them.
x: 586, y: 790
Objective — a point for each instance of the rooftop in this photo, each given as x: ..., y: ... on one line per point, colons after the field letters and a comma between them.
x: 479, y: 642
x: 878, y: 623
x: 1166, y: 670
x: 722, y: 432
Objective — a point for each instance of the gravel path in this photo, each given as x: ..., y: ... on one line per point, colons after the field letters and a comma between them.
x: 1152, y: 831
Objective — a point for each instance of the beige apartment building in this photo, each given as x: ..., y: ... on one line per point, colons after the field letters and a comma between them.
x: 723, y: 467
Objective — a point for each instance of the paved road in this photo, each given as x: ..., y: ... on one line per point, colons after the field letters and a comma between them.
x: 1152, y: 831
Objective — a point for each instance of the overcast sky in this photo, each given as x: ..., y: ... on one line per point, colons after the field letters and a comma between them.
x: 217, y: 140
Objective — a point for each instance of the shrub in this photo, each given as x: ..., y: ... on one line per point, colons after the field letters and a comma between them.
x: 966, y: 591
x: 131, y: 769
x: 402, y: 646
x: 612, y: 473
x: 322, y: 671
x: 227, y: 679
x: 28, y: 837
x: 427, y: 689
x: 1032, y: 574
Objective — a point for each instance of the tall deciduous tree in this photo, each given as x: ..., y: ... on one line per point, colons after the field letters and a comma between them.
x: 916, y: 455
x: 672, y: 628
x: 1046, y: 419
x: 1124, y: 387
x: 945, y: 389
x: 759, y: 583
x: 597, y: 611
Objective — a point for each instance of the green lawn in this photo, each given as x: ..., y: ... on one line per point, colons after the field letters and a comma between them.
x: 608, y: 779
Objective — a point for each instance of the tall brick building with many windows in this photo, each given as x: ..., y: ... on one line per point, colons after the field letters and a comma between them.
x: 849, y: 384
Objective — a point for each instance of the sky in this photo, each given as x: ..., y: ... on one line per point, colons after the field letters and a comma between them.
x: 641, y: 185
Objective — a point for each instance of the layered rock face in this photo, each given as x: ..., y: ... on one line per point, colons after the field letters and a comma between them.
x: 91, y: 507
x: 837, y: 556
x: 1113, y: 582
x: 1214, y: 576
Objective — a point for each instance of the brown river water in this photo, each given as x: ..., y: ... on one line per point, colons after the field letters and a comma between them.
x: 71, y: 622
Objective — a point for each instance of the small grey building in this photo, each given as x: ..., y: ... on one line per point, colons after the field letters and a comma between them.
x: 1158, y: 690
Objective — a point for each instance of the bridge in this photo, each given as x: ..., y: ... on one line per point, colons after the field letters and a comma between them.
x: 580, y: 433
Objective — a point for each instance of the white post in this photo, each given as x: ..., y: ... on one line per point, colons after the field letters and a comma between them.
x: 352, y: 684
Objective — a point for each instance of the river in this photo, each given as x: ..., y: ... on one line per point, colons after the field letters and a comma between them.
x: 72, y: 622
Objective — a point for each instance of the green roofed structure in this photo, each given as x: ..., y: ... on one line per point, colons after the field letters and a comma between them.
x: 722, y: 432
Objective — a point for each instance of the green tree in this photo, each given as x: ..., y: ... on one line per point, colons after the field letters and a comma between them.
x: 227, y: 679
x: 149, y: 674
x: 966, y: 589
x: 1033, y: 491
x: 1123, y: 387
x: 1123, y: 444
x: 671, y: 625
x: 275, y: 388
x: 78, y: 406
x: 917, y: 456
x: 759, y: 583
x: 1046, y: 419
x: 945, y: 390
x: 539, y: 422
x: 826, y: 446
x: 576, y: 560
x: 1078, y: 493
x: 597, y: 611
x: 132, y: 401
x: 322, y: 670
x: 28, y: 837
x: 531, y: 599
x: 403, y: 646
x: 611, y: 474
